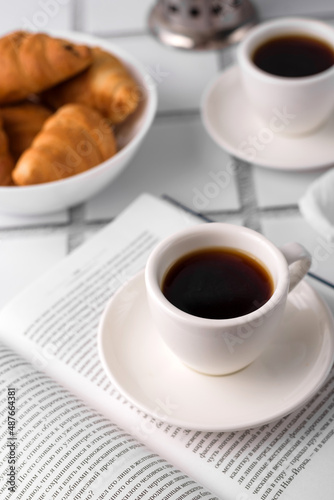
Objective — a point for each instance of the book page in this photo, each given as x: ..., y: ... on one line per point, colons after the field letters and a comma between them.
x: 54, y: 324
x: 291, y: 458
x: 53, y: 446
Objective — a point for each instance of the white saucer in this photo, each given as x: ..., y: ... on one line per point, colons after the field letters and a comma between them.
x: 230, y: 120
x: 153, y: 379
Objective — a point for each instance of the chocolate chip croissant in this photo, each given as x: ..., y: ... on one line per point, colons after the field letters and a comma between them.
x: 33, y: 62
x: 106, y: 86
x: 74, y: 139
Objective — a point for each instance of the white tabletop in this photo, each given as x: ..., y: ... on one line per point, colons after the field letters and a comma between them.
x: 177, y: 157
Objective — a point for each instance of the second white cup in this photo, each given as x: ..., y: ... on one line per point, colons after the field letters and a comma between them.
x: 287, y: 105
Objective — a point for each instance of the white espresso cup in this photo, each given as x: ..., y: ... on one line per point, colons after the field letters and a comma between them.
x: 287, y: 105
x: 222, y: 346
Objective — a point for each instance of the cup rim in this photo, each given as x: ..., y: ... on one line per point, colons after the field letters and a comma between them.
x: 154, y: 290
x: 263, y: 30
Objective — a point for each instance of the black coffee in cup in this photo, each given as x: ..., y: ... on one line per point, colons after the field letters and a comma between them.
x: 217, y: 283
x: 293, y: 56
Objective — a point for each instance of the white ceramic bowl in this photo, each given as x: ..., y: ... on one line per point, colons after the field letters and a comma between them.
x: 58, y: 195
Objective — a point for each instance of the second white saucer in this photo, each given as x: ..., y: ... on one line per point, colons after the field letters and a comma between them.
x: 231, y: 122
x: 143, y: 369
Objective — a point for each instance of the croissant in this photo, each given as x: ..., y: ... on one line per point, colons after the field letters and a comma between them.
x: 6, y: 160
x: 74, y: 139
x: 22, y: 123
x: 33, y: 62
x: 106, y: 86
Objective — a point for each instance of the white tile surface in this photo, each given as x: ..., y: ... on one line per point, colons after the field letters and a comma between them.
x: 326, y: 292
x: 114, y: 15
x: 24, y: 258
x: 179, y: 159
x: 90, y: 232
x: 234, y: 219
x: 180, y: 76
x: 36, y: 15
x: 285, y: 229
x: 126, y: 15
x: 11, y: 221
x: 272, y: 8
x: 276, y: 188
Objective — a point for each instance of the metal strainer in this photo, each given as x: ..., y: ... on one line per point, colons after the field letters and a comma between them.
x: 201, y: 24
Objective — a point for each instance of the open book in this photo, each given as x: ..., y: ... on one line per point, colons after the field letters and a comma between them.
x: 67, y: 433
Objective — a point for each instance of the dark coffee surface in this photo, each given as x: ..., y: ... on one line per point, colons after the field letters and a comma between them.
x: 293, y: 56
x: 217, y: 283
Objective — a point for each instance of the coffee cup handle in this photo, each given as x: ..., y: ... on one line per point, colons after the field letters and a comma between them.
x: 299, y: 261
